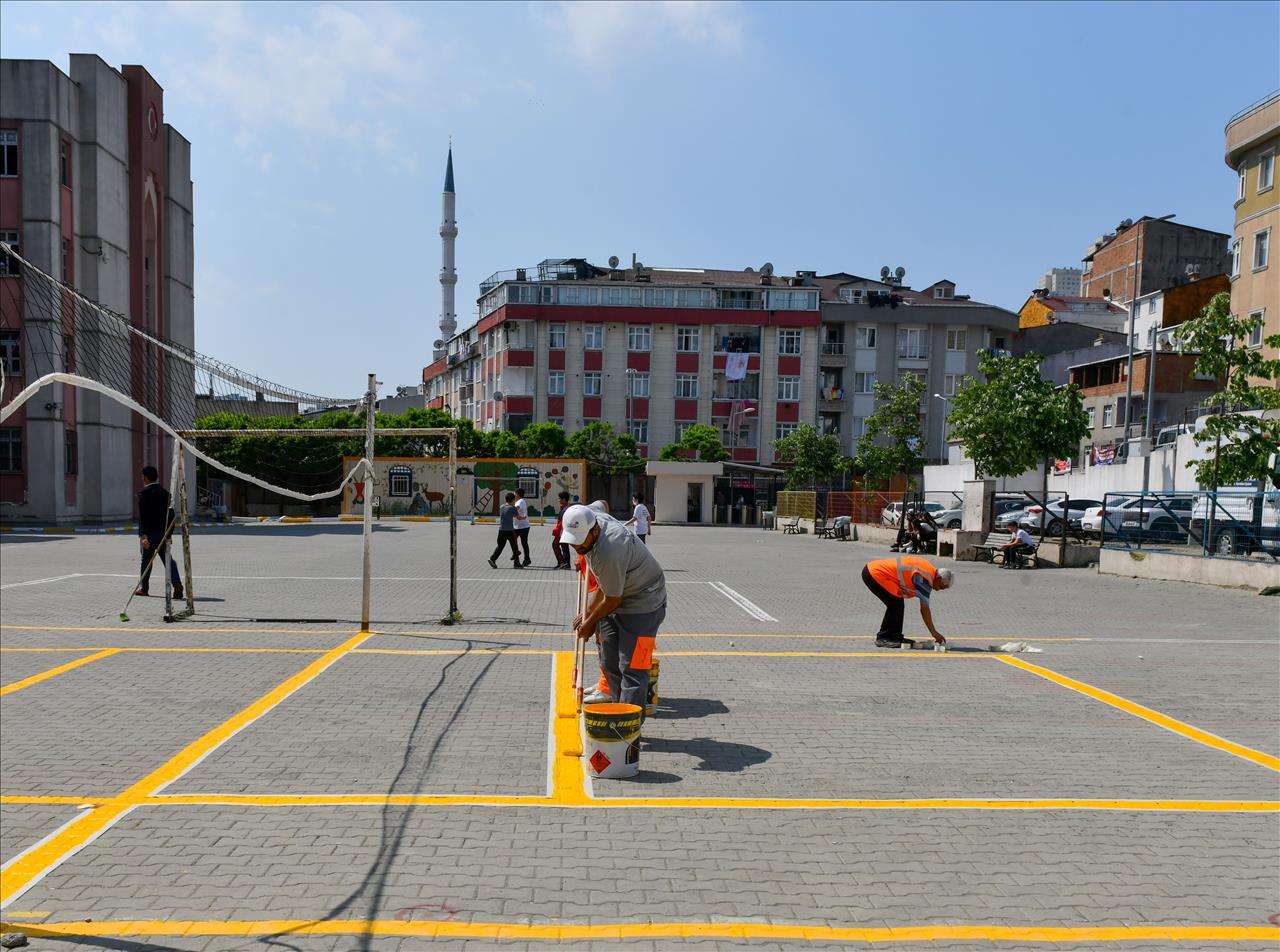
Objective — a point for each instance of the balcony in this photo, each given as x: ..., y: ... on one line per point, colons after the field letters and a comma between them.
x: 833, y: 355
x: 831, y: 399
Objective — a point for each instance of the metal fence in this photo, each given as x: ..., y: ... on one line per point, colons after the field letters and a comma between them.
x: 1234, y: 523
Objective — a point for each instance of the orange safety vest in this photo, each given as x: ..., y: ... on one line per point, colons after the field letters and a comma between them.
x: 897, y: 576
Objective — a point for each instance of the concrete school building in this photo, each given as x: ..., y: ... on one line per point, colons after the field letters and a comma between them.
x: 95, y: 189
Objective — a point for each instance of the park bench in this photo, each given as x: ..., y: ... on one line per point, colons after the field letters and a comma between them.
x: 823, y: 529
x: 990, y: 551
x: 791, y: 526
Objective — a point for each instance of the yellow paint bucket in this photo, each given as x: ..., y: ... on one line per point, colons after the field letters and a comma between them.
x: 612, y: 750
x: 651, y: 699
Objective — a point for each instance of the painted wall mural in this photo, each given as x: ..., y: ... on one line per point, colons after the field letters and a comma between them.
x: 409, y: 486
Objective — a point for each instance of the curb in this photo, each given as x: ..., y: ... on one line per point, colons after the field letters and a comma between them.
x: 98, y: 530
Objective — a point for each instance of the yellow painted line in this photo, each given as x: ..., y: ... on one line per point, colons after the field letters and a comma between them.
x: 573, y: 778
x: 454, y: 632
x: 28, y: 868
x: 1147, y: 714
x: 883, y: 653
x: 54, y: 672
x: 59, y: 530
x: 454, y: 651
x: 351, y: 518
x: 294, y: 520
x: 34, y: 914
x: 146, y: 649
x: 415, y: 518
x: 568, y: 777
x: 657, y: 930
x: 70, y: 801
x: 183, y: 630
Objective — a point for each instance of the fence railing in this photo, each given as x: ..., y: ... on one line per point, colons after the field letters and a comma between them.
x: 1232, y: 523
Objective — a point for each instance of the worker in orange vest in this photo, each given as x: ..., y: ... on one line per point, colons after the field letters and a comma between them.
x: 895, y: 580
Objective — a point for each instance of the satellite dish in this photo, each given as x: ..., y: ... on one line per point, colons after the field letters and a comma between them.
x: 767, y: 269
x: 900, y: 273
x: 749, y: 270
x: 613, y: 261
x: 438, y: 344
x: 497, y: 395
x: 639, y: 265
x: 884, y: 273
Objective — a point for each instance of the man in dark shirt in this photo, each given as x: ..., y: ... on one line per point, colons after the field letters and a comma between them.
x: 154, y: 517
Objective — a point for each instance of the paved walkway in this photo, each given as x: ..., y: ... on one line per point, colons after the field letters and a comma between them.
x: 265, y: 776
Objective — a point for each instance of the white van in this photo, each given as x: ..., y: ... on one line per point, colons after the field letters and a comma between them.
x: 1242, y: 522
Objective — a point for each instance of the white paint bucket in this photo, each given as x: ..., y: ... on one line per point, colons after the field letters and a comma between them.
x: 612, y: 745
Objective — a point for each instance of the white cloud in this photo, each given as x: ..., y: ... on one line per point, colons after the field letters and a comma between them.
x: 606, y: 30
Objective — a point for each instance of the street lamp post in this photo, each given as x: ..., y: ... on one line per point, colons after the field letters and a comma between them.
x: 1133, y: 319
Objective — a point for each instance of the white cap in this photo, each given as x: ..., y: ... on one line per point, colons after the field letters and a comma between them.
x: 600, y: 506
x: 576, y: 523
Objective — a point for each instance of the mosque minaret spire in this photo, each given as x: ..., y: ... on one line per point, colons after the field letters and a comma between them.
x: 448, y: 273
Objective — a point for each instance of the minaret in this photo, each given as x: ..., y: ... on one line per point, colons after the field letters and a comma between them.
x: 448, y: 276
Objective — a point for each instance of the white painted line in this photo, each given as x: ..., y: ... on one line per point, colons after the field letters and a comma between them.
x: 748, y: 606
x: 43, y: 840
x: 44, y: 581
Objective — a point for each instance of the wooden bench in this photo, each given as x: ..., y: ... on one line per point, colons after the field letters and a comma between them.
x: 791, y: 526
x: 992, y: 547
x: 823, y: 529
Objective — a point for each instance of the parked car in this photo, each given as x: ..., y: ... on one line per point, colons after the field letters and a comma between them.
x: 893, y: 512
x: 1049, y: 519
x: 1010, y: 510
x: 1145, y: 518
x: 1242, y: 522
x: 949, y: 518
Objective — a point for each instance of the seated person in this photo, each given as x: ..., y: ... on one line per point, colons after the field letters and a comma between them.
x: 1020, y: 543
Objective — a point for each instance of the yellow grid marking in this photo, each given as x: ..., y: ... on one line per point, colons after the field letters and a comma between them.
x: 72, y: 801
x: 650, y: 930
x: 60, y: 669
x: 28, y: 868
x: 183, y: 629
x: 1147, y: 714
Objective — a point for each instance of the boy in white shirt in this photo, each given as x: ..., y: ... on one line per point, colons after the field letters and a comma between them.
x: 640, y: 518
x: 522, y: 523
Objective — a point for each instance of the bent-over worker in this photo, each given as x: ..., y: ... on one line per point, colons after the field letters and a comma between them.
x: 629, y: 605
x: 895, y: 580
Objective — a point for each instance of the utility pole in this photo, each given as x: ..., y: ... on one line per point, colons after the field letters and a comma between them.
x: 371, y: 404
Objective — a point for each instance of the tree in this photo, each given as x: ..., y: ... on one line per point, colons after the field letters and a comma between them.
x: 1245, y: 445
x: 897, y: 417
x: 506, y: 445
x: 543, y: 440
x: 606, y: 451
x: 813, y: 457
x: 1015, y: 419
x: 703, y: 440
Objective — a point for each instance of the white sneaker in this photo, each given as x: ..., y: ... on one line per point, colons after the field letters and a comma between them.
x: 597, y: 697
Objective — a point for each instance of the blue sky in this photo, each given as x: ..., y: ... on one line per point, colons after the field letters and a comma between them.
x: 983, y: 143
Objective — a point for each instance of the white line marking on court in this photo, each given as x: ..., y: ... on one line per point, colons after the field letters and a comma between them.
x: 43, y: 581
x: 748, y: 606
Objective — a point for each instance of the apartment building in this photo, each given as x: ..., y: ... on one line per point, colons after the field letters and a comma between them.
x: 650, y: 350
x: 1253, y: 137
x: 1149, y: 254
x: 883, y: 330
x: 95, y: 188
x: 1063, y: 281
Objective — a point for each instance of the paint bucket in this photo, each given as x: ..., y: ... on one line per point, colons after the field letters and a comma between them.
x: 651, y: 699
x: 612, y: 749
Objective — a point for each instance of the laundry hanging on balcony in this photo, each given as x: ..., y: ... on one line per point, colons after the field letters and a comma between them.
x: 735, y: 366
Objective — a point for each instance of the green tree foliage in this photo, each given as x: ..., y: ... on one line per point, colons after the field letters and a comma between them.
x: 543, y: 440
x: 702, y: 440
x: 1249, y: 444
x: 607, y: 452
x: 505, y: 445
x: 1016, y: 419
x: 892, y: 436
x: 812, y: 457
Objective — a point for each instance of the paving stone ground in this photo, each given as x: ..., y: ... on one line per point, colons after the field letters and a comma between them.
x: 742, y: 715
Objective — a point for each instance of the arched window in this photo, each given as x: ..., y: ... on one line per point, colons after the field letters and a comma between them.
x: 400, y: 481
x: 527, y: 479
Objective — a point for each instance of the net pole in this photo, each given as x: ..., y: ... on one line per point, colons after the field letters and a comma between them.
x: 184, y: 515
x: 371, y: 399
x: 453, y: 525
x: 167, y: 563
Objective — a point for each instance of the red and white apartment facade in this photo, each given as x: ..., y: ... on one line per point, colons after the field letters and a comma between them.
x: 650, y: 350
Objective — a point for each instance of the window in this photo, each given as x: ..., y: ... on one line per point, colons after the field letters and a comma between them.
x: 1235, y: 258
x: 793, y: 301
x: 788, y: 388
x: 621, y: 297
x: 10, y: 449
x: 942, y: 293
x: 782, y: 430
x: 864, y: 382
x: 1261, y: 249
x: 1240, y: 187
x: 748, y: 388
x: 1092, y: 414
x: 591, y: 384
x: 865, y: 338
x: 955, y: 340
x: 688, y: 339
x: 64, y: 166
x: 400, y: 481
x: 659, y: 297
x: 570, y: 295
x: 913, y: 344
x: 555, y: 336
x: 555, y: 383
x: 1266, y: 171
x: 699, y: 298
x: 8, y: 153
x: 593, y: 336
x: 920, y: 375
x: 529, y: 294
x: 682, y: 429
x: 640, y: 430
x: 857, y: 427
x: 11, y: 351
x: 1109, y: 415
x: 852, y: 295
x: 790, y: 341
x: 558, y: 421
x: 639, y: 384
x: 687, y: 386
x: 639, y: 336
x: 70, y: 452
x: 7, y: 265
x: 950, y: 385
x: 1255, y: 333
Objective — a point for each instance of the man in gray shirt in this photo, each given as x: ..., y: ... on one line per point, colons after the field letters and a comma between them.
x: 629, y: 604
